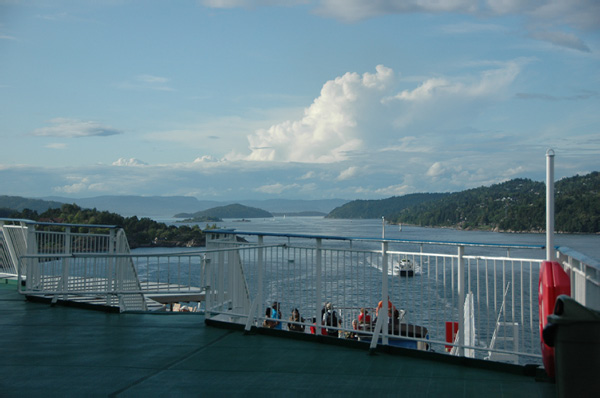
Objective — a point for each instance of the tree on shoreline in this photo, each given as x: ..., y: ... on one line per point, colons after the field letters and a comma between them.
x: 143, y: 232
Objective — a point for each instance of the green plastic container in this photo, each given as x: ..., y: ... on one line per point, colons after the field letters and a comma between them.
x: 574, y: 332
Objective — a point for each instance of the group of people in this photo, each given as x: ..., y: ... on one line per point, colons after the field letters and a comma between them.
x: 330, y: 319
x: 296, y: 323
x: 273, y: 319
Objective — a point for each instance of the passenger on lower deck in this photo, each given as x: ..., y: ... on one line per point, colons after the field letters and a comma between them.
x: 296, y: 318
x: 364, y: 320
x: 393, y: 316
x: 391, y: 308
x: 331, y: 318
x: 273, y: 314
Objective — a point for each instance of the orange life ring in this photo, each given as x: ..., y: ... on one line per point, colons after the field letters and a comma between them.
x: 553, y: 282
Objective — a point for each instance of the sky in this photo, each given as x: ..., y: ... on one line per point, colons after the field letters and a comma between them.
x: 294, y: 99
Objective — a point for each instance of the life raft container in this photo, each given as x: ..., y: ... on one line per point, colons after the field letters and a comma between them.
x: 554, y: 281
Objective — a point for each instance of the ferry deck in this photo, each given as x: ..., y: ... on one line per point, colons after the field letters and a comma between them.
x: 72, y: 352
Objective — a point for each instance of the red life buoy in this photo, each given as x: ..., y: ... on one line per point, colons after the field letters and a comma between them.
x: 554, y: 281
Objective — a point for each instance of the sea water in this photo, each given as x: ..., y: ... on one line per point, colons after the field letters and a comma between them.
x: 587, y: 244
x: 435, y: 302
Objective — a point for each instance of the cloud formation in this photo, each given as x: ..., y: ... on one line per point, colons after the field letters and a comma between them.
x: 129, y: 162
x: 581, y: 14
x: 561, y: 39
x: 547, y: 20
x: 358, y: 114
x: 73, y: 128
x: 330, y: 128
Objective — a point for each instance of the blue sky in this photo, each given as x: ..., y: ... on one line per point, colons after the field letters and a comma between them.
x: 260, y: 99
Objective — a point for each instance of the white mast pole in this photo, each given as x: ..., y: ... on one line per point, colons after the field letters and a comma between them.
x: 550, y: 254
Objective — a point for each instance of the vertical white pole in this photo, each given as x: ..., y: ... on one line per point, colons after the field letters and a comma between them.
x: 112, y: 260
x: 261, y: 273
x: 66, y: 262
x: 318, y: 300
x: 550, y: 254
x: 381, y: 326
x: 383, y: 312
x: 461, y: 300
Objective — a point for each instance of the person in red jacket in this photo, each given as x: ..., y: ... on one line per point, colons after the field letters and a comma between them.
x: 391, y: 308
x: 364, y: 320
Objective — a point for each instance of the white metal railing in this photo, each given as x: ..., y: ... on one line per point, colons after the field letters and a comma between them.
x: 584, y: 273
x: 131, y: 282
x: 236, y: 281
x: 54, y: 260
x: 354, y: 274
x: 49, y: 258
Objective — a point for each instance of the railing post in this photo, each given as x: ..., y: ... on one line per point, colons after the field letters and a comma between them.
x: 318, y: 300
x: 66, y: 262
x: 381, y: 325
x: 461, y: 300
x: 109, y: 272
x: 34, y: 275
x: 384, y: 290
x: 261, y: 274
x: 208, y: 284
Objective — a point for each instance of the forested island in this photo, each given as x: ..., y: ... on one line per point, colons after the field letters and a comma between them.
x: 230, y: 211
x: 517, y: 205
x: 141, y: 232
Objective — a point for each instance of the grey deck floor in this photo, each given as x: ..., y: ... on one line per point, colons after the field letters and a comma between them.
x: 56, y: 351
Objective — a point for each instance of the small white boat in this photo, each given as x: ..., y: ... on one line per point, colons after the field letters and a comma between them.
x: 404, y: 268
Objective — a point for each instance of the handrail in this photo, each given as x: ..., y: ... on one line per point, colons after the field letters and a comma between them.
x: 376, y: 240
x: 54, y: 224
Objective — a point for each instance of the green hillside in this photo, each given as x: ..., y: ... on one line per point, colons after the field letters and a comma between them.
x: 10, y: 204
x: 366, y: 209
x: 517, y: 205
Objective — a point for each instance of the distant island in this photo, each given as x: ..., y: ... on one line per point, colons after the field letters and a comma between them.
x: 230, y: 211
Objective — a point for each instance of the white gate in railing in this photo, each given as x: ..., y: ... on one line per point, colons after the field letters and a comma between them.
x: 59, y: 261
x: 13, y: 243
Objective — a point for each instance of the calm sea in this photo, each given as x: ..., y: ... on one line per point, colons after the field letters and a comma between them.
x: 588, y: 245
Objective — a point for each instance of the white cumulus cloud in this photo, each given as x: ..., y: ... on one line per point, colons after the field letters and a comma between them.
x: 347, y: 174
x: 206, y: 159
x: 330, y: 128
x: 356, y: 115
x: 129, y: 162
